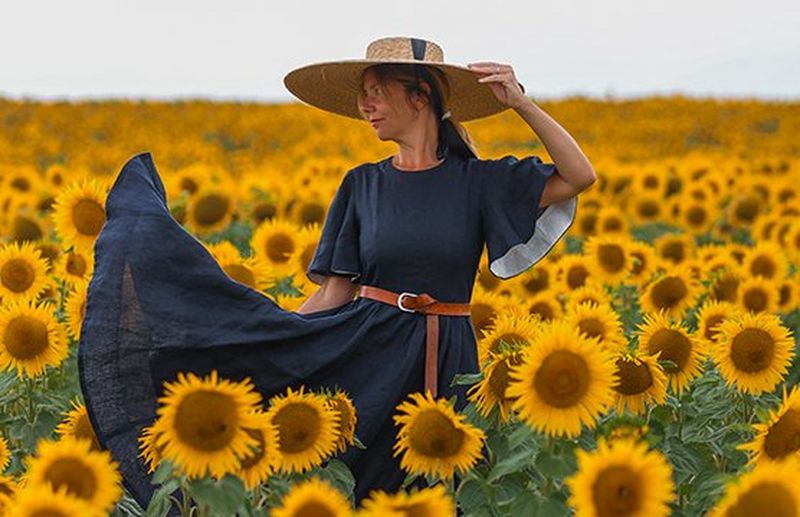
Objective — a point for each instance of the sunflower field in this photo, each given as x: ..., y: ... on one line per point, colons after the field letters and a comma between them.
x: 647, y: 366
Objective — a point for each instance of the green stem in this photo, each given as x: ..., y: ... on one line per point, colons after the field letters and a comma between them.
x: 185, y: 506
x: 29, y: 392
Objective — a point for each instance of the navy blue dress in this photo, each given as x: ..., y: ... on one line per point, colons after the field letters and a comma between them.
x: 159, y: 304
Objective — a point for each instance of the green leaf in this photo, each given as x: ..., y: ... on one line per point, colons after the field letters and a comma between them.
x: 160, y: 504
x: 552, y: 466
x: 337, y: 473
x: 466, y: 379
x: 225, y: 495
x: 470, y: 494
x: 513, y: 463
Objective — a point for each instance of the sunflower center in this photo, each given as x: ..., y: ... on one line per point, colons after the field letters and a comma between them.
x: 76, y: 265
x: 763, y: 266
x: 537, y: 282
x: 25, y: 229
x: 264, y: 211
x: 210, y: 209
x: 488, y: 280
x: 543, y: 309
x: 697, y: 215
x: 668, y: 292
x: 189, y: 185
x: 783, y: 438
x: 25, y: 337
x: 279, y: 247
x: 673, y: 251
x: 617, y: 491
x: 633, y: 378
x: 711, y: 322
x: 298, y: 426
x: 347, y: 421
x: 88, y: 216
x: 611, y: 257
x: 576, y: 276
x: 638, y: 262
x: 206, y: 420
x: 673, y: 345
x: 481, y: 315
x: 434, y: 435
x: 72, y: 473
x: 314, y: 509
x: 725, y: 288
x: 240, y: 273
x: 562, y: 379
x: 752, y: 350
x: 312, y: 213
x: 767, y: 494
x: 498, y: 381
x: 747, y: 209
x: 755, y: 299
x: 256, y: 454
x: 17, y: 275
x: 592, y: 327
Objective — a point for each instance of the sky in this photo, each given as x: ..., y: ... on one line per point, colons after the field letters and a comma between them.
x: 242, y: 49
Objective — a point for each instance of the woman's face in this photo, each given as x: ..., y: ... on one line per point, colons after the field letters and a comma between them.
x: 385, y: 106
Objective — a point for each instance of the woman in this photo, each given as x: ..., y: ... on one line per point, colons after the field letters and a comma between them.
x: 405, y: 233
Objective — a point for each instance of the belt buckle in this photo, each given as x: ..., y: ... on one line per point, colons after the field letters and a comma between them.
x: 400, y: 301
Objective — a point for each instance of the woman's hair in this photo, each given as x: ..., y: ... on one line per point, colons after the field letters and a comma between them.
x: 453, y: 137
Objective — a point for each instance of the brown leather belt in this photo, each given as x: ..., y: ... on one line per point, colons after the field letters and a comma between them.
x: 432, y: 309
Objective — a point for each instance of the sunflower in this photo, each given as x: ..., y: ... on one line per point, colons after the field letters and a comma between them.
x: 546, y: 305
x: 779, y: 437
x: 788, y: 295
x: 590, y: 293
x: 5, y: 454
x: 490, y: 392
x: 709, y: 317
x: 758, y: 294
x: 23, y: 272
x: 76, y: 308
x: 88, y: 475
x: 313, y: 497
x: 311, y: 208
x: 575, y: 271
x: 611, y: 220
x: 305, y: 431
x: 289, y: 302
x: 766, y: 259
x: 674, y: 291
x: 42, y: 501
x: 252, y: 271
x: 771, y: 489
x: 621, y: 478
x: 646, y: 208
x: 31, y: 338
x: 79, y: 213
x: 340, y: 403
x: 74, y: 265
x: 697, y: 217
x: 25, y: 225
x: 609, y: 258
x: 640, y: 380
x: 210, y: 209
x: 485, y: 278
x: 659, y: 334
x: 744, y: 209
x: 535, y: 280
x: 565, y: 380
x: 149, y: 450
x: 599, y: 322
x: 201, y: 423
x: 485, y: 307
x: 433, y: 501
x: 8, y: 487
x: 307, y: 240
x: 433, y: 439
x: 256, y: 467
x: 754, y: 352
x: 76, y: 424
x: 675, y: 249
x: 275, y: 241
x: 50, y: 251
x: 510, y: 331
x: 725, y: 285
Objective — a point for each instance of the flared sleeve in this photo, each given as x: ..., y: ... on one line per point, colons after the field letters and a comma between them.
x: 518, y: 233
x: 337, y: 252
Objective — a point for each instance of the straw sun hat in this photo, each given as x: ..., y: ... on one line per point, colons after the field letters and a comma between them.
x: 335, y: 85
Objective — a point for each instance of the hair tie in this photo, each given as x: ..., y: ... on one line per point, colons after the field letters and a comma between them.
x: 446, y: 115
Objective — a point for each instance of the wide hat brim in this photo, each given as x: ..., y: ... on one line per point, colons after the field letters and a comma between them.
x: 334, y: 86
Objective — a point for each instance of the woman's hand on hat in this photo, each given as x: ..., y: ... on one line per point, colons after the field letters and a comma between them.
x: 502, y: 81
